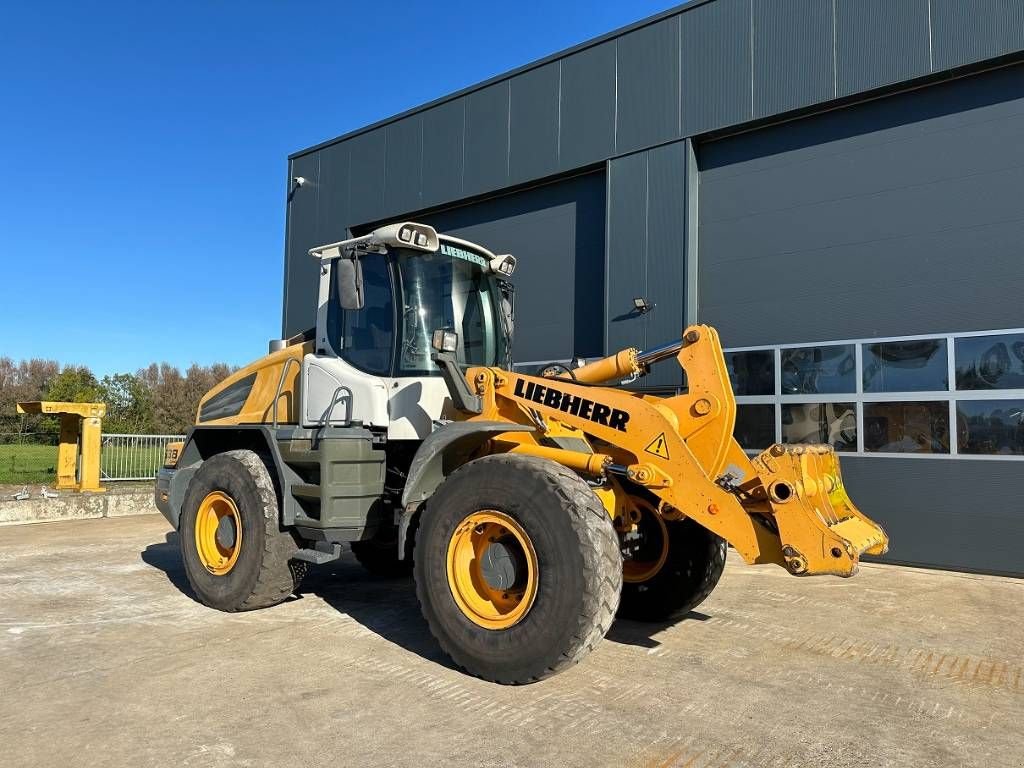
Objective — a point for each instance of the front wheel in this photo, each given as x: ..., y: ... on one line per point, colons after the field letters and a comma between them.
x: 517, y: 568
x: 235, y: 554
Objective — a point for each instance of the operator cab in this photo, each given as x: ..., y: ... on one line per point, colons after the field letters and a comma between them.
x: 381, y: 298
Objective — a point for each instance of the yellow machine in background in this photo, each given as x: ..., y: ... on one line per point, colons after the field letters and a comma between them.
x: 78, y: 454
x: 531, y: 508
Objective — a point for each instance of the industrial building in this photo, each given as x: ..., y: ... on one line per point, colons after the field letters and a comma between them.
x: 836, y: 185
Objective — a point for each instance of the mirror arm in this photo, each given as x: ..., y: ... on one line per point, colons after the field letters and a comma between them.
x: 458, y: 388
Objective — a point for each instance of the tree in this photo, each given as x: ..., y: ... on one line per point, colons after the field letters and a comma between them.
x: 28, y: 380
x: 74, y: 384
x: 129, y: 404
x: 156, y: 399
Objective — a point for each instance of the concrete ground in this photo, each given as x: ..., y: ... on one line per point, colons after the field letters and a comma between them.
x: 106, y: 660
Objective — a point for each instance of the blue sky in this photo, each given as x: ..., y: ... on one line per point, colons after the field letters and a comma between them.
x: 143, y: 151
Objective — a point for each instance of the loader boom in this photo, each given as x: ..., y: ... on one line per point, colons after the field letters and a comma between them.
x: 786, y: 506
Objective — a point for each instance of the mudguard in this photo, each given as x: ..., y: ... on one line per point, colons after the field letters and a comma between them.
x: 427, y: 469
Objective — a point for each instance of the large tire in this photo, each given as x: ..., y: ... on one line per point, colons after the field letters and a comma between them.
x: 578, y: 567
x: 261, y: 573
x: 696, y: 558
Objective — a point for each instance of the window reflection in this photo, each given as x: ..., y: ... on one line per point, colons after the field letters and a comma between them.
x: 990, y: 362
x: 752, y: 373
x: 755, y: 425
x: 907, y: 427
x: 819, y: 370
x: 994, y: 427
x: 906, y: 366
x: 831, y: 423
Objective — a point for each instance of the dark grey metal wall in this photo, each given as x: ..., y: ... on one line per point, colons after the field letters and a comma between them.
x: 899, y: 216
x: 709, y: 65
x: 958, y: 514
x: 647, y: 252
x: 557, y: 234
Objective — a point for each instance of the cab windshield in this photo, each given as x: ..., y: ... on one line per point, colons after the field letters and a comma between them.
x: 407, y: 296
x: 442, y: 291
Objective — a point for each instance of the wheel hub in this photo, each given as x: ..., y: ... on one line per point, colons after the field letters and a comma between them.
x: 502, y: 563
x: 218, y: 533
x: 226, y: 532
x: 492, y: 569
x: 644, y: 549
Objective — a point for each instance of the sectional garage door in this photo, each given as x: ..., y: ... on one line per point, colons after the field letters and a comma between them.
x: 556, y: 232
x: 896, y: 217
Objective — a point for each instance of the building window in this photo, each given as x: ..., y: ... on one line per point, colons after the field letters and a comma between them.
x: 821, y: 370
x: 834, y: 424
x: 906, y: 427
x: 990, y: 427
x: 752, y: 373
x: 755, y: 426
x: 941, y: 396
x: 990, y: 362
x: 906, y: 366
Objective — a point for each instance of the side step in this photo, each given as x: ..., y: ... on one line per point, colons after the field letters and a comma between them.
x: 322, y: 552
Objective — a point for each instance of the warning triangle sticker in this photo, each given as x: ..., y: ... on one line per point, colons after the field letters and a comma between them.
x: 658, y: 447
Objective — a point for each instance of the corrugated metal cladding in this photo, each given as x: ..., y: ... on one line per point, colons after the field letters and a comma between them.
x: 899, y: 216
x: 557, y: 233
x: 963, y: 515
x: 646, y: 247
x: 705, y: 66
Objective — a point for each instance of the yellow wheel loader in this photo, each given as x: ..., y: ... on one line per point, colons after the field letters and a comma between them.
x: 531, y: 509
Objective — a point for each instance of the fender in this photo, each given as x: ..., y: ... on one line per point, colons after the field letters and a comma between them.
x: 427, y: 470
x: 202, y: 442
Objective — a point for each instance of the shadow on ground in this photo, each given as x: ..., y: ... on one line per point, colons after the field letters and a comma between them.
x: 386, y: 607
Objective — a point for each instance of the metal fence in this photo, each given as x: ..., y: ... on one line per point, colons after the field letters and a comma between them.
x: 133, y: 457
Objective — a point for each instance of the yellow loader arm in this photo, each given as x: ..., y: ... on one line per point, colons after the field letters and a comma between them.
x: 787, y: 505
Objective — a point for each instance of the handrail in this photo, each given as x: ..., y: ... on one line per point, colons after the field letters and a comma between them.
x: 280, y: 384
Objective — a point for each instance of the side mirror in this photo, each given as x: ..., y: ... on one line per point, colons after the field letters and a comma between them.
x: 349, y: 276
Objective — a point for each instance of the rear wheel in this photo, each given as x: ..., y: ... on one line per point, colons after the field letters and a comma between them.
x: 379, y: 555
x: 235, y: 555
x: 517, y: 568
x: 669, y: 567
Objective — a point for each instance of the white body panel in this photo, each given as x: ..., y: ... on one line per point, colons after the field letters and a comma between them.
x: 414, y: 405
x: 324, y: 380
x: 333, y: 392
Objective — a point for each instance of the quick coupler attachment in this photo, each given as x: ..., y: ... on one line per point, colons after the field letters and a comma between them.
x: 820, y: 528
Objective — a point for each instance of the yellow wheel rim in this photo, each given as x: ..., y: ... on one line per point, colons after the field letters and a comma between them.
x: 492, y: 569
x: 218, y: 533
x: 652, y: 550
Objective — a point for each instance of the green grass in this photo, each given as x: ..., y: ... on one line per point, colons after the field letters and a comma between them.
x: 27, y: 464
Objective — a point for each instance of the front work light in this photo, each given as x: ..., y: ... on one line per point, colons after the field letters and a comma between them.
x: 408, y: 234
x: 444, y: 340
x: 504, y: 264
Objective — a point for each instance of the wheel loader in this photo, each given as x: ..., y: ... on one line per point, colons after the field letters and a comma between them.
x: 530, y: 507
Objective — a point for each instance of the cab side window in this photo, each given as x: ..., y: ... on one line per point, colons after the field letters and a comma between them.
x: 364, y: 337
